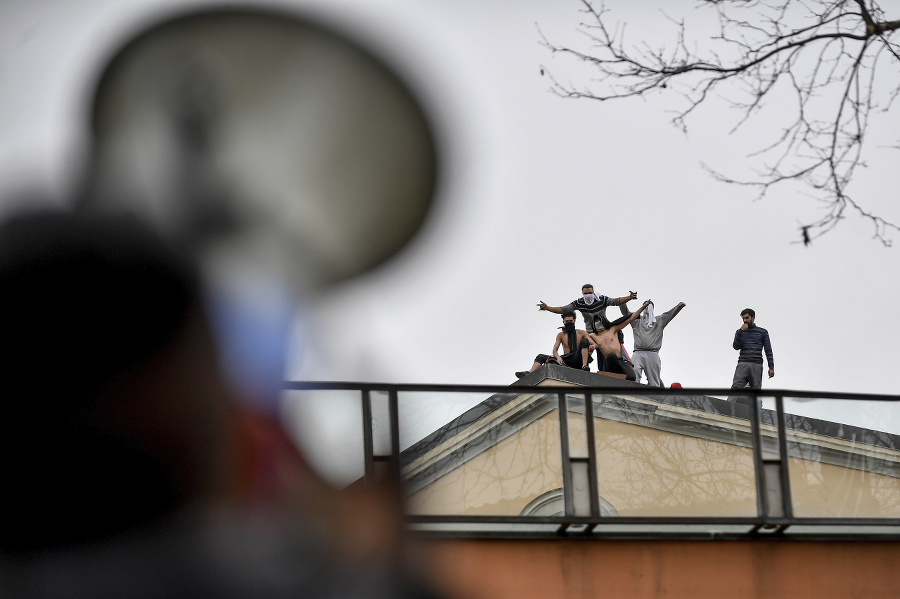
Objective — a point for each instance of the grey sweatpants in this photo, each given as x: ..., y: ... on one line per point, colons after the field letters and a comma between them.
x: 747, y: 373
x: 647, y: 362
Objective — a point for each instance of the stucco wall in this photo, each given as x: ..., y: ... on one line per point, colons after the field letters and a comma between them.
x: 643, y: 471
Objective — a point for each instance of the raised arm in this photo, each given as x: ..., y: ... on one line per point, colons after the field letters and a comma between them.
x: 620, y: 320
x: 555, y: 309
x: 625, y: 299
x: 618, y: 326
x: 674, y: 311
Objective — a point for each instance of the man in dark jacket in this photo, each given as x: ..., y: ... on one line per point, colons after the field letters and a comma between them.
x: 751, y: 340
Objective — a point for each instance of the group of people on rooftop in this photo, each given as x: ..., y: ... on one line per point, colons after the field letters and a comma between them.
x: 606, y: 338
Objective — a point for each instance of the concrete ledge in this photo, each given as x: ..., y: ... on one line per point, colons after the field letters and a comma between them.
x: 563, y: 375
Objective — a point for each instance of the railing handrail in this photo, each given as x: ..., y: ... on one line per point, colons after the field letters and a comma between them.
x: 774, y: 511
x: 644, y: 389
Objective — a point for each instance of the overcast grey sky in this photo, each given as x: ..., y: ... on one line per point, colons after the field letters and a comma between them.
x: 539, y: 196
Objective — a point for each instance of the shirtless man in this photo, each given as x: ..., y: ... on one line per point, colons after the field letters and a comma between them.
x: 607, y: 344
x: 568, y: 338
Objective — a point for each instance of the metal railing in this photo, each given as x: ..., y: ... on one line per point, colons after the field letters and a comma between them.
x: 777, y: 441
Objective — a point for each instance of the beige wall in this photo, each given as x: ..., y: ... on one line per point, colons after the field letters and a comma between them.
x: 646, y: 472
x: 642, y: 472
x: 825, y: 490
x: 500, y: 481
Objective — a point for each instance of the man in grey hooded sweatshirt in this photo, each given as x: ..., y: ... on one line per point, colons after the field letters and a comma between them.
x: 648, y: 336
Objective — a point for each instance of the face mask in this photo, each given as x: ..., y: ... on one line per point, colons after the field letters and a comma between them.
x: 569, y: 327
x: 589, y: 298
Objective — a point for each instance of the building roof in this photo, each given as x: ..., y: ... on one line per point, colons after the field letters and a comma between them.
x: 701, y: 416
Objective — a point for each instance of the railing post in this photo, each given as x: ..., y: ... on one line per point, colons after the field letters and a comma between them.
x: 394, y: 410
x: 564, y: 454
x: 368, y: 443
x: 381, y: 466
x: 592, y: 456
x: 781, y: 426
x: 772, y: 477
x: 770, y: 470
x: 756, y: 445
x: 580, y: 499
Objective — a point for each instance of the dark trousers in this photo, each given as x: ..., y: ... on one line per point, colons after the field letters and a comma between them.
x: 614, y: 363
x: 571, y: 359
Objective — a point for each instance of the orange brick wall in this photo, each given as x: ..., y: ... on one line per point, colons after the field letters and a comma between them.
x: 574, y: 568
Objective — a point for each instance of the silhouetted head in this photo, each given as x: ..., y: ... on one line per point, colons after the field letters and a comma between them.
x: 113, y: 414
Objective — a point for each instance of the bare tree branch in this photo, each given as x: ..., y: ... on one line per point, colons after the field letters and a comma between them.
x: 829, y: 53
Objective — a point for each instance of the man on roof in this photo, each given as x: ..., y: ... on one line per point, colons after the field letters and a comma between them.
x: 648, y: 338
x: 592, y: 307
x: 751, y: 340
x: 573, y: 341
x: 608, y: 346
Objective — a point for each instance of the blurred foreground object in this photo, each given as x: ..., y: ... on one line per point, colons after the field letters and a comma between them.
x: 259, y: 133
x: 280, y: 155
x: 128, y: 468
x: 115, y: 416
x: 239, y: 160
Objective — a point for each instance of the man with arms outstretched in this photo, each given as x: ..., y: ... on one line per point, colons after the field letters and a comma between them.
x: 648, y: 337
x: 607, y: 344
x: 591, y: 306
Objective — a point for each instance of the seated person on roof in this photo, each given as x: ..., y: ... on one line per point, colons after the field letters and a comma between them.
x: 568, y: 338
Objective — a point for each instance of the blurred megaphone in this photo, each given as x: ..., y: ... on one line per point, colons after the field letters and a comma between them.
x: 261, y: 134
x: 277, y: 153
